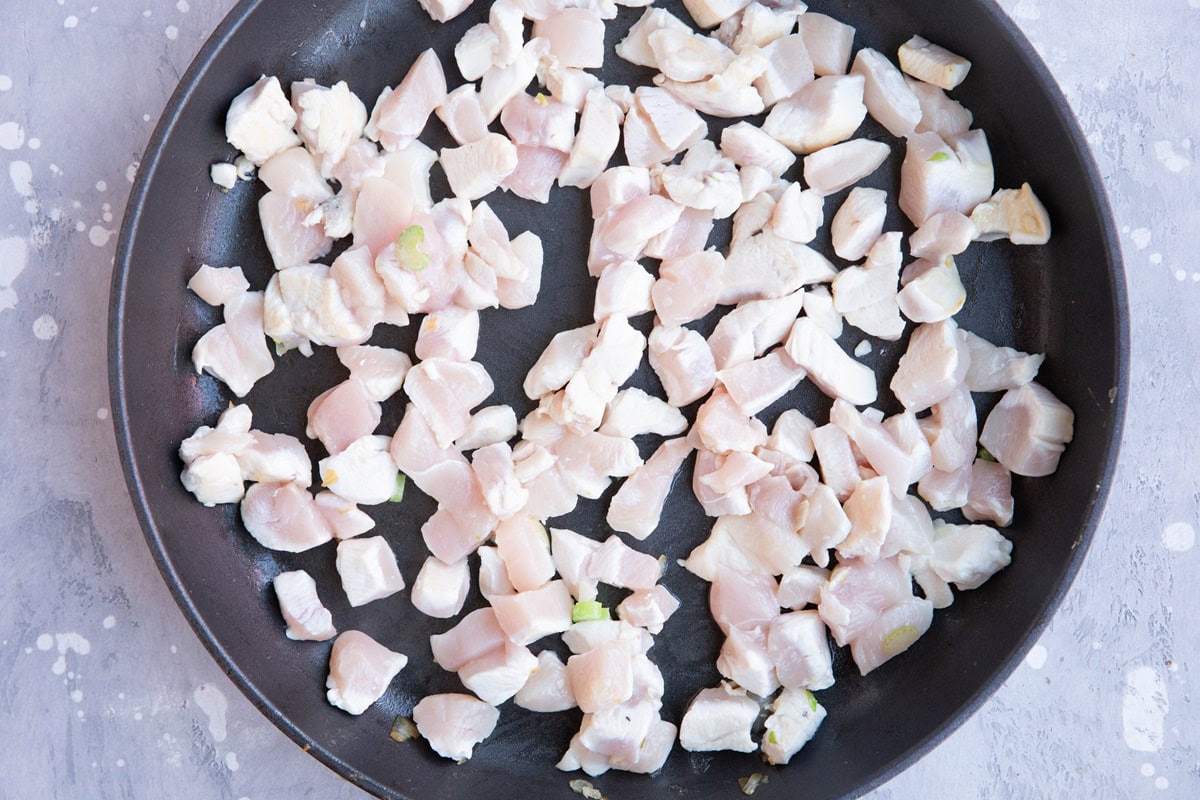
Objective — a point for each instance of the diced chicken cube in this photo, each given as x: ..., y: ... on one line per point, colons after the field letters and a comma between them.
x: 343, y: 415
x: 857, y: 224
x: 330, y: 120
x: 648, y: 608
x: 478, y: 168
x: 748, y: 145
x: 454, y: 723
x: 275, y: 458
x: 576, y: 37
x: 934, y: 365
x: 400, y: 115
x: 524, y: 547
x: 218, y: 285
x: 967, y: 555
x: 945, y: 491
x: 801, y: 586
x: 547, y: 689
x: 595, y: 142
x: 363, y: 473
x: 688, y: 56
x: 829, y: 42
x: 933, y: 291
x: 307, y: 619
x: 888, y: 98
x: 797, y: 646
x: 260, y: 119
x: 1014, y: 214
x: 462, y: 114
x: 757, y: 384
x: 743, y: 600
x: 283, y: 516
x: 683, y: 363
x: 617, y: 564
x: 719, y: 719
x: 796, y: 716
x: 789, y: 69
x: 528, y: 616
x: 998, y: 369
x: 989, y: 496
x: 818, y: 306
x: 633, y: 413
x: 571, y: 552
x: 869, y: 508
x: 932, y: 63
x: 498, y: 675
x: 745, y: 661
x: 827, y: 111
x: 476, y: 634
x: 440, y: 588
x: 379, y: 371
x: 826, y: 526
x: 344, y: 518
x: 833, y: 168
x: 939, y: 114
x: 235, y: 352
x: 839, y: 469
x: 768, y: 266
x: 496, y: 472
x: 445, y: 392
x: 937, y: 174
x: 1028, y: 430
x: 445, y: 10
x: 946, y: 233
x: 952, y: 430
x: 828, y: 366
x: 601, y: 677
x: 624, y: 289
x: 637, y: 506
x: 360, y: 670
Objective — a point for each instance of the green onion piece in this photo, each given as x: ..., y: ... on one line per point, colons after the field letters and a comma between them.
x: 589, y: 611
x: 398, y: 495
x: 984, y: 455
x: 751, y: 783
x: 403, y: 730
x: 280, y: 348
x: 408, y: 249
x: 772, y: 738
x: 812, y: 701
x: 586, y: 789
x: 899, y: 640
x: 939, y: 157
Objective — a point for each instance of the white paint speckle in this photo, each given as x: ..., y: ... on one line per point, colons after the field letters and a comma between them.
x: 231, y: 761
x: 172, y: 32
x: 71, y: 21
x: 66, y: 641
x: 81, y: 226
x: 45, y: 327
x: 21, y: 175
x: 12, y: 136
x: 1156, y: 258
x: 146, y: 13
x: 1036, y: 657
x: 1097, y: 645
x: 1181, y: 275
x: 1164, y: 151
x: 1161, y: 783
x: 120, y: 762
x: 35, y: 143
x: 101, y: 186
x: 174, y: 649
x: 1141, y: 238
x: 212, y: 702
x: 110, y: 621
x: 31, y: 207
x: 107, y: 216
x: 137, y: 716
x: 45, y: 642
x: 14, y: 252
x: 99, y: 235
x: 102, y: 413
x: 5, y: 83
x: 1147, y: 769
x: 1144, y: 708
x: 77, y: 696
x: 183, y: 6
x: 145, y: 117
x: 1179, y: 537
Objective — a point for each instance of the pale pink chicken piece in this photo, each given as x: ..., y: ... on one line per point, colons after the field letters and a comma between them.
x: 637, y: 506
x: 729, y: 94
x: 547, y: 689
x: 587, y: 460
x: 409, y: 168
x: 368, y: 569
x: 673, y: 123
x: 869, y: 509
x: 737, y: 471
x: 735, y: 503
x: 528, y: 616
x: 721, y: 426
x: 453, y: 534
x: 682, y: 55
x: 218, y: 285
x: 952, y: 430
x: 996, y: 369
x: 687, y: 237
x: 756, y: 384
x: 307, y: 619
x: 911, y: 533
x: 454, y: 724
x: 624, y: 289
x: 235, y: 352
x: 440, y: 589
x: 635, y: 47
x: 602, y: 677
x: 789, y: 69
x: 933, y: 291
x: 477, y: 168
x: 452, y: 333
x: 360, y: 161
x: 888, y: 98
x: 801, y: 586
x: 618, y: 350
x: 797, y: 646
x: 576, y: 37
x: 686, y: 288
x: 284, y: 516
x: 827, y: 525
x: 496, y: 472
x: 939, y: 113
x: 617, y: 732
x: 342, y: 415
x: 445, y: 391
x: 946, y: 233
x: 683, y: 363
x: 535, y: 173
x: 752, y: 328
x: 379, y: 371
x: 617, y: 186
x: 303, y: 306
x: 295, y: 173
x: 595, y: 142
x: 934, y: 364
x: 438, y: 471
x: 1028, y: 430
x: 559, y: 362
x: 822, y: 113
x: 745, y: 661
x: 766, y: 265
x: 905, y: 430
x: 550, y: 495
x: 857, y: 224
x: 775, y: 498
x: 858, y: 592
x: 989, y: 496
x: 634, y: 413
x: 797, y: 215
x: 498, y: 675
x: 617, y: 564
x: 524, y: 547
x: 462, y: 115
x: 509, y: 77
x: 275, y: 458
x: 475, y: 634
x: 523, y: 291
x: 633, y: 224
x: 741, y: 600
x: 400, y: 115
x: 360, y: 670
x: 493, y: 578
x: 649, y: 609
x: 344, y: 518
x: 829, y: 42
x: 937, y: 174
x: 488, y: 426
x: 881, y: 450
x: 382, y: 213
x: 445, y: 10
x: 719, y: 719
x: 571, y: 552
x: 586, y: 636
x: 945, y: 491
x: 289, y: 240
x: 791, y: 435
x: 748, y: 145
x: 212, y: 471
x: 839, y: 468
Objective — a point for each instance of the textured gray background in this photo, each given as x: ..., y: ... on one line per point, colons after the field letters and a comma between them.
x: 105, y: 692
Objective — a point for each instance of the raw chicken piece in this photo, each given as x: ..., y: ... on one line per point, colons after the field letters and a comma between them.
x: 283, y: 516
x: 329, y: 120
x: 649, y: 609
x: 224, y: 175
x: 710, y: 13
x: 383, y: 211
x: 583, y: 637
x: 869, y: 508
x: 795, y: 717
x: 342, y: 415
x: 829, y: 43
x: 683, y: 363
x: 539, y: 123
x: 826, y: 526
x: 505, y: 81
x: 758, y: 25
x: 400, y: 115
x: 933, y: 291
x: 839, y: 469
x: 989, y: 496
x: 528, y: 616
x: 601, y: 677
x: 722, y: 427
x: 797, y: 645
x: 379, y: 371
x: 952, y: 430
x: 730, y: 94
x: 632, y: 225
x: 719, y: 719
x: 827, y: 111
x: 496, y: 472
x: 767, y: 266
x: 522, y: 292
x: 218, y: 285
x: 1028, y: 430
x: 576, y: 37
x: 235, y: 352
x: 752, y: 328
x: 212, y: 470
x: 818, y: 307
x: 801, y: 586
x: 791, y: 435
x: 939, y: 114
x: 547, y: 689
x: 440, y: 588
x: 567, y: 85
x: 901, y: 466
x: 642, y: 145
x: 798, y: 214
x: 617, y: 732
x: 687, y: 287
x: 362, y: 289
x: 953, y: 174
x: 524, y: 547
x: 304, y: 306
x: 368, y: 570
x: 344, y: 518
x: 967, y: 555
x: 624, y: 289
x: 635, y: 47
x: 408, y: 168
x: 445, y: 10
x: 445, y: 392
x: 945, y: 491
x: 289, y: 240
x: 753, y: 216
x: 735, y: 503
x: 833, y: 168
x: 687, y: 56
x: 867, y: 294
x: 571, y: 553
x: 741, y: 600
x: 452, y: 333
x: 946, y: 233
x: 789, y: 69
x: 306, y: 618
x: 1015, y: 214
x: 362, y: 160
x: 633, y: 413
x: 617, y: 564
x: 931, y: 63
x: 360, y: 670
x: 754, y: 385
x: 857, y: 224
x: 595, y: 142
x: 478, y: 168
x: 888, y: 98
x: 905, y: 429
x: 475, y: 635
x: 259, y: 121
x: 488, y: 426
x: 828, y: 366
x: 704, y: 180
x: 493, y: 579
x: 454, y: 723
x: 462, y: 115
x: 579, y: 757
x: 934, y: 364
x: 362, y: 473
x: 859, y: 592
x: 653, y: 753
x: 676, y: 125
x: 499, y: 674
x: 747, y: 145
x: 617, y: 186
x: 998, y: 369
x: 275, y: 458
x: 637, y: 506
x: 744, y: 660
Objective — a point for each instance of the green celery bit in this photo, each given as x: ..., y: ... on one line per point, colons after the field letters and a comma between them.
x: 984, y: 455
x: 772, y: 738
x: 812, y: 701
x: 398, y: 495
x: 939, y: 157
x: 408, y: 249
x: 589, y: 611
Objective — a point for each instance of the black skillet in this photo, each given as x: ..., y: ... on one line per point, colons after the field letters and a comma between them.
x: 1066, y: 300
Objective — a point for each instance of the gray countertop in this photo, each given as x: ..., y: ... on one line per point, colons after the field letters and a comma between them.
x: 104, y: 690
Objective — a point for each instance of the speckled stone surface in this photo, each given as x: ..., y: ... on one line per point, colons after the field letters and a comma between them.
x: 105, y: 692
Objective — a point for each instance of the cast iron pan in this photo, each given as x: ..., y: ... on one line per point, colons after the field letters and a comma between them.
x: 1066, y: 300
